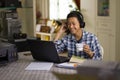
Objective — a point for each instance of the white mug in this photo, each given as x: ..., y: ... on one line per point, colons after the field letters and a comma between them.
x: 79, y: 47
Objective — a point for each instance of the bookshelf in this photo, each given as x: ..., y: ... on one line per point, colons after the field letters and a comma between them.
x: 45, y: 36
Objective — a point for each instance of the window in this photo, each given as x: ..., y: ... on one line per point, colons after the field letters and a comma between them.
x: 60, y: 8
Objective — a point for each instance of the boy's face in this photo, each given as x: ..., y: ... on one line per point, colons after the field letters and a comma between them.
x: 73, y: 25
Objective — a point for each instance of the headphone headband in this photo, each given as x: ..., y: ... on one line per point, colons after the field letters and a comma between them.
x: 79, y: 16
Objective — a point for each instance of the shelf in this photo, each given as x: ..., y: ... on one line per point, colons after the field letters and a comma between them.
x: 8, y: 8
x: 41, y: 33
x: 45, y: 36
x: 24, y: 7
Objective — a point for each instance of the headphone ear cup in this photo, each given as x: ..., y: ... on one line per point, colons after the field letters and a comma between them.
x: 82, y: 25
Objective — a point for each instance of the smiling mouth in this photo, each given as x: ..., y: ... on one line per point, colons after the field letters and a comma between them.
x: 72, y: 29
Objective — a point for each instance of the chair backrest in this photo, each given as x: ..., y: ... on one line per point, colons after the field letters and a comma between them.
x: 102, y: 51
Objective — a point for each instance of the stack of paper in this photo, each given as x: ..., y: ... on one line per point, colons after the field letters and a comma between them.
x: 74, y: 62
x: 67, y: 65
x: 39, y: 66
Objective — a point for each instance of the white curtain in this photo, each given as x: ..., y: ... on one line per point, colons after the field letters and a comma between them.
x: 43, y: 7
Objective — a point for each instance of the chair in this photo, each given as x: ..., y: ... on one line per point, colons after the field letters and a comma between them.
x: 102, y: 51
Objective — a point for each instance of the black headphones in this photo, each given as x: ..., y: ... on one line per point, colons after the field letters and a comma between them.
x: 79, y: 16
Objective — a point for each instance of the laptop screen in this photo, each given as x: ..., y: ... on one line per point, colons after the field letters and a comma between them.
x: 43, y: 50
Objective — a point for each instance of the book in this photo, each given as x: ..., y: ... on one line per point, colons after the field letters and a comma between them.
x: 77, y: 59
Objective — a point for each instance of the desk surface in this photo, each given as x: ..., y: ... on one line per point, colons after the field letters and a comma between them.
x: 16, y: 70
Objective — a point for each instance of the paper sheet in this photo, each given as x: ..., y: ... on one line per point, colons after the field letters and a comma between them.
x: 39, y: 66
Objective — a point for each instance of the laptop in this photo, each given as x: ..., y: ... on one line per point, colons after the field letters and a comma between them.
x: 45, y: 51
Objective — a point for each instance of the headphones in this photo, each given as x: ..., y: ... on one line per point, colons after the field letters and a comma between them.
x: 79, y: 16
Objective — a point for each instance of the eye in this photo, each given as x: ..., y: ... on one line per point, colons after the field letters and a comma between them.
x: 68, y: 24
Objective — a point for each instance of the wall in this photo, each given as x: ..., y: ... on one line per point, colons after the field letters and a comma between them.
x: 118, y: 30
x: 88, y: 10
x: 105, y: 27
x: 27, y: 15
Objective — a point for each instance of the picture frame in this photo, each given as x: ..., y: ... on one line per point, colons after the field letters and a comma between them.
x: 103, y: 7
